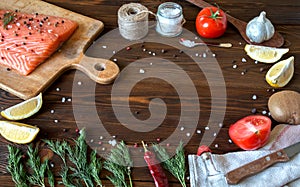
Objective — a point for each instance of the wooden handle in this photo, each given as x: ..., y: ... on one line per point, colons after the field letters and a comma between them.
x: 100, y: 70
x: 234, y: 176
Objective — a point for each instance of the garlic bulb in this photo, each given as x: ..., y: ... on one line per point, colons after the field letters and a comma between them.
x: 260, y: 29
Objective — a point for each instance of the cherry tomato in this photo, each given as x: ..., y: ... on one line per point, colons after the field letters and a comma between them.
x: 211, y: 22
x: 251, y: 132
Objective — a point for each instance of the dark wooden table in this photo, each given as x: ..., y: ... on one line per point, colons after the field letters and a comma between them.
x: 233, y: 95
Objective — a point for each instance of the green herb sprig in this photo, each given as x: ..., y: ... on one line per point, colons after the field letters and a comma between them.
x: 16, y: 167
x: 119, y: 163
x: 84, y: 170
x: 176, y: 164
x: 39, y: 169
x: 7, y: 18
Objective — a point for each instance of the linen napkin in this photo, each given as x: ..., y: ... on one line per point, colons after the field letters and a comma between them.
x: 209, y: 169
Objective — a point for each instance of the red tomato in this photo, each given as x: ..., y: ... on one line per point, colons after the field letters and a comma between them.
x: 251, y: 132
x: 211, y: 22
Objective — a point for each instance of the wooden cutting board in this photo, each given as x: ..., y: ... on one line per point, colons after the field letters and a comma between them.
x: 69, y: 56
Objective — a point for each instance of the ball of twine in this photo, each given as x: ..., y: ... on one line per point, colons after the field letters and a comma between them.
x: 133, y: 21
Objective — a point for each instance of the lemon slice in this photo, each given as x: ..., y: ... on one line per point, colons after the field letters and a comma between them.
x: 24, y: 109
x: 18, y: 132
x: 265, y: 54
x: 281, y: 73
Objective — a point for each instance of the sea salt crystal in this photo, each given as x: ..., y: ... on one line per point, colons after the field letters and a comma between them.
x: 188, y: 134
x: 115, y: 60
x: 254, y: 97
x: 101, y: 137
x: 181, y: 128
x: 142, y: 71
x: 216, y: 145
x: 234, y: 66
x: 57, y: 89
x: 204, y: 55
x: 215, y: 134
x: 244, y: 60
x: 52, y: 111
x: 206, y: 128
x: 112, y: 142
x: 79, y: 83
x: 63, y: 99
x: 220, y: 125
x: 104, y: 46
x: 69, y: 100
x: 198, y: 131
x: 230, y: 141
x: 214, y: 55
x: 56, y: 121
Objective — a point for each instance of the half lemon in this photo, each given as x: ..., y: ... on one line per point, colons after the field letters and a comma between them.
x: 281, y: 73
x: 18, y: 132
x: 24, y: 109
x: 265, y: 54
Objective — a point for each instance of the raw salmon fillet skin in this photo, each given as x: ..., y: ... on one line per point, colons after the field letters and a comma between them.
x: 27, y: 40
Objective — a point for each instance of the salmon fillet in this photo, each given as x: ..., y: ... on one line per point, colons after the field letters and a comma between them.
x: 29, y: 39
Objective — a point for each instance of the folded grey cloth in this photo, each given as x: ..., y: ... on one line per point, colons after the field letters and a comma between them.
x: 209, y: 169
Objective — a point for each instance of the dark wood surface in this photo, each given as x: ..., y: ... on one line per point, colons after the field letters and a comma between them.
x: 285, y: 15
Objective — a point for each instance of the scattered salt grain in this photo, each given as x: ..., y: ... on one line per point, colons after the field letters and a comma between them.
x: 150, y: 52
x: 142, y: 71
x: 215, y: 134
x: 104, y: 46
x: 144, y: 49
x: 244, y: 60
x: 204, y: 55
x: 206, y: 128
x: 114, y: 136
x: 264, y: 112
x: 213, y: 55
x: 198, y: 131
x: 254, y: 97
x: 151, y: 63
x: 197, y: 54
x: 256, y: 62
x: 92, y: 140
x: 187, y: 178
x: 153, y: 54
x: 182, y: 128
x: 69, y: 99
x: 103, y: 149
x: 63, y: 99
x: 220, y: 125
x: 101, y: 137
x: 52, y: 111
x: 79, y: 83
x: 55, y: 121
x: 234, y: 66
x: 112, y: 142
x: 114, y: 52
x: 115, y: 60
x: 57, y: 89
x: 188, y: 134
x: 230, y: 141
x: 216, y: 145
x: 240, y: 43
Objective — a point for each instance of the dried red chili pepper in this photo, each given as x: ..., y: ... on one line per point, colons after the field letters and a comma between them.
x: 155, y: 168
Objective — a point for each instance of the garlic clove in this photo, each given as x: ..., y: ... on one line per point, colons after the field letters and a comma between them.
x: 260, y: 29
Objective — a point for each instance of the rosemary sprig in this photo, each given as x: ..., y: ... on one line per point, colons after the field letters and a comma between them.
x: 15, y: 167
x: 176, y: 164
x: 58, y: 147
x: 38, y: 169
x: 119, y: 163
x: 95, y: 167
x: 7, y: 18
x: 78, y: 156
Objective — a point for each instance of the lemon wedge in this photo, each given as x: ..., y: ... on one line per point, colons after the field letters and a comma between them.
x: 24, y: 109
x: 281, y: 73
x: 265, y: 54
x: 18, y: 132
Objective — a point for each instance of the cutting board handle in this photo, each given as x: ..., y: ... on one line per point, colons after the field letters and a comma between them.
x: 100, y: 70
